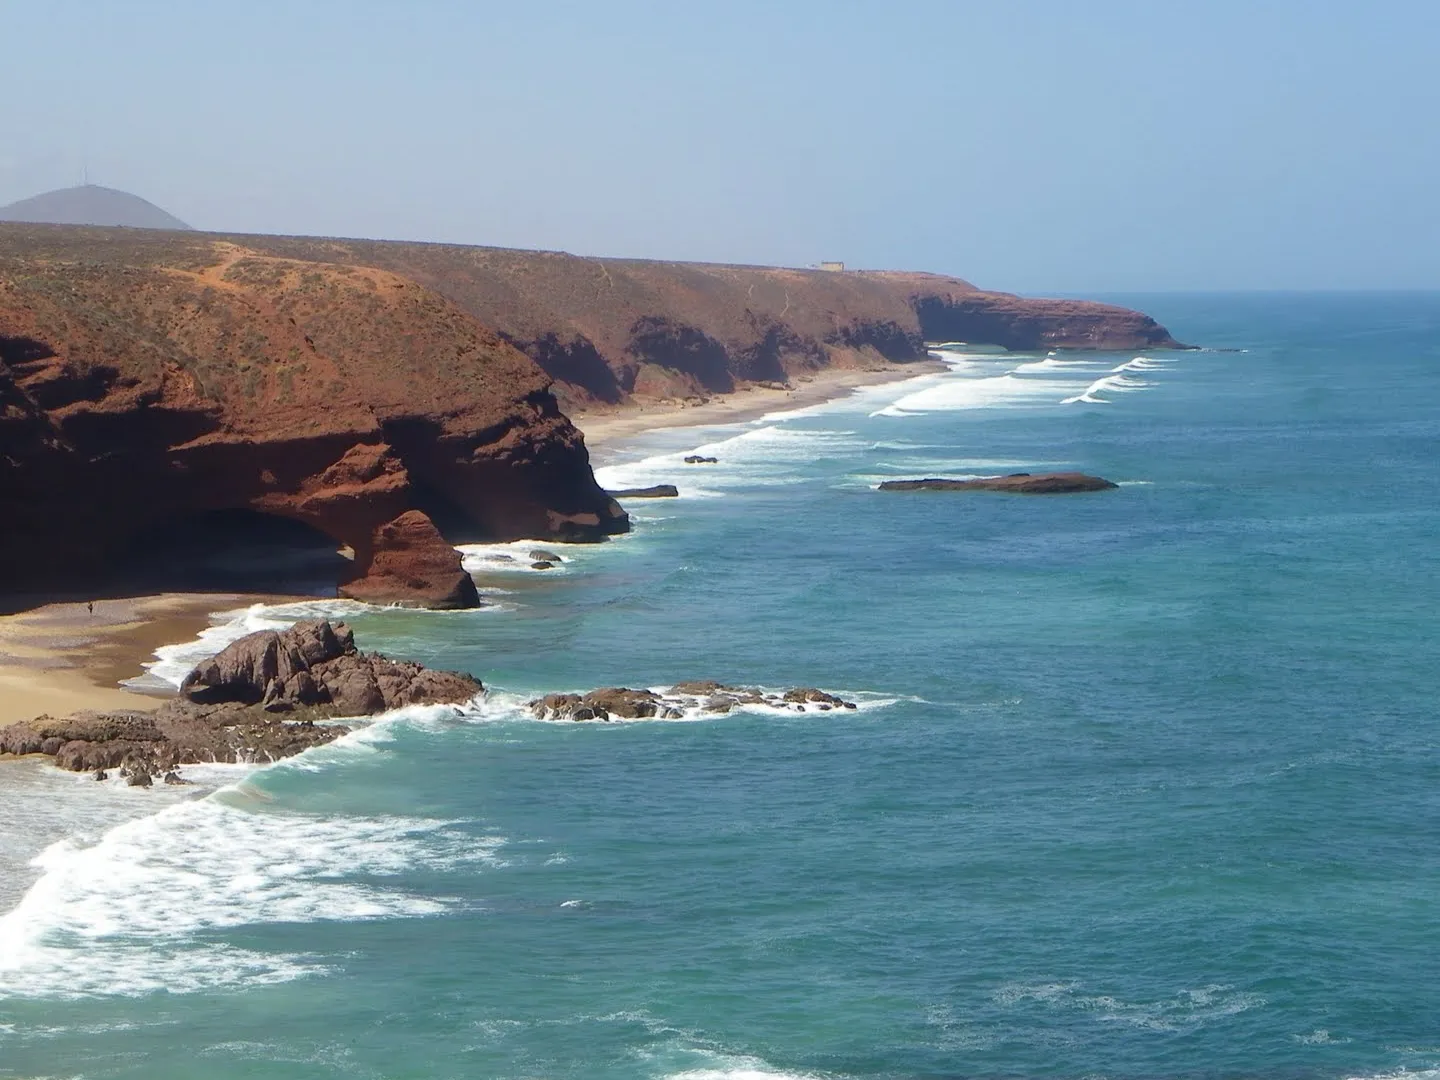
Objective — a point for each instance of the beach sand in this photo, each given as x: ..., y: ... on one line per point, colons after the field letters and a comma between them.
x: 59, y: 658
x: 604, y: 427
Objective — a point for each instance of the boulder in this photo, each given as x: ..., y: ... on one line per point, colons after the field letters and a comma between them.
x: 313, y: 664
x: 697, y: 459
x: 1018, y: 483
x: 412, y: 565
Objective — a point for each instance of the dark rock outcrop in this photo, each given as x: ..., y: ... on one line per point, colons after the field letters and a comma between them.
x: 700, y: 459
x: 620, y: 703
x: 317, y: 664
x: 1019, y: 483
x: 263, y: 698
x: 659, y: 491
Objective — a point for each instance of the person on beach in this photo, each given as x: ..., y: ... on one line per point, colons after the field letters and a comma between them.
x: 91, y: 607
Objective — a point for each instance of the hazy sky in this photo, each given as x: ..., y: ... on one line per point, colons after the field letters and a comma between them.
x: 1075, y: 145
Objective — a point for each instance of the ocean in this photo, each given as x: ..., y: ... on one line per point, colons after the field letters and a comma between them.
x: 1143, y: 783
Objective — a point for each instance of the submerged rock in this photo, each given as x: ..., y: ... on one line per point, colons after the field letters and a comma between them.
x: 700, y: 696
x: 264, y: 697
x: 1019, y: 483
x: 697, y: 459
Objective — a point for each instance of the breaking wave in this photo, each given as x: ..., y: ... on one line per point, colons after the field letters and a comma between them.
x: 146, y: 908
x: 1118, y: 383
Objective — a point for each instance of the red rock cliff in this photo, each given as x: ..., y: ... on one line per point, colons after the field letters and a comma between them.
x: 610, y: 329
x: 145, y: 379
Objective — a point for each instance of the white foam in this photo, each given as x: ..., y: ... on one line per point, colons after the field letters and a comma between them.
x: 1319, y: 1037
x: 1120, y: 383
x: 514, y: 557
x: 995, y: 391
x: 129, y: 915
x: 736, y: 1067
x: 1186, y: 1010
x: 1143, y: 363
x: 764, y: 456
x: 1054, y: 363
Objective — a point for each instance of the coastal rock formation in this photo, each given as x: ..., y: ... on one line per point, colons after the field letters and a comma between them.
x: 681, y: 700
x: 150, y: 379
x: 613, y: 330
x: 1019, y: 483
x: 315, y: 663
x: 700, y: 459
x: 413, y: 566
x: 258, y: 700
x: 659, y: 491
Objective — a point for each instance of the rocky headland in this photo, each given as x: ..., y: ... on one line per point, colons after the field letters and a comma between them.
x: 396, y: 399
x: 268, y: 696
x: 1016, y: 483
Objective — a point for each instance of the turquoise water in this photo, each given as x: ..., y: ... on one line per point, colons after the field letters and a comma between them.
x: 1144, y: 783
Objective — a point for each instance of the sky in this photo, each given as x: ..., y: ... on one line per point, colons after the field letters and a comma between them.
x: 1060, y: 147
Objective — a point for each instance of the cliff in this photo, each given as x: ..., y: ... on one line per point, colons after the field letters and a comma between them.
x: 611, y: 329
x: 397, y: 398
x: 148, y: 379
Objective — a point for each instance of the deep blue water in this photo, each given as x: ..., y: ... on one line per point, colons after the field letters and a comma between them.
x: 1145, y: 783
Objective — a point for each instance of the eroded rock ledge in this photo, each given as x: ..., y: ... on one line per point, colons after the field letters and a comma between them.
x: 620, y: 703
x: 265, y: 697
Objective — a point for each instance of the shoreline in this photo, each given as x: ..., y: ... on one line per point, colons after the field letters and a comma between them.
x: 606, y: 428
x: 59, y: 658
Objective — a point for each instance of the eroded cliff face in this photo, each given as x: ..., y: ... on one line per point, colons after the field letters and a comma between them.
x: 144, y: 382
x: 611, y: 329
x: 399, y: 398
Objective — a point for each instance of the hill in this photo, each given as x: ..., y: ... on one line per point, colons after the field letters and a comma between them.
x: 91, y: 204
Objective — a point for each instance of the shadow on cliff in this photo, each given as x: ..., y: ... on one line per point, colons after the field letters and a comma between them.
x: 231, y: 551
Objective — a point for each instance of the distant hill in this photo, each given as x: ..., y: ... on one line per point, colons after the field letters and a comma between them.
x: 91, y: 204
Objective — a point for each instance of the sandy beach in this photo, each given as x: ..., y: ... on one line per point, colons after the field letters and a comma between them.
x: 605, y: 426
x: 62, y: 657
